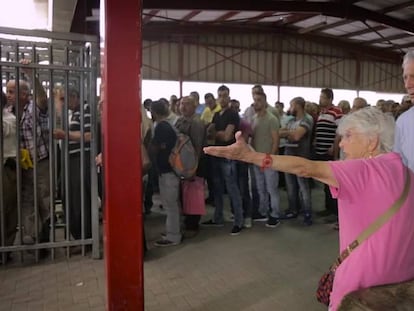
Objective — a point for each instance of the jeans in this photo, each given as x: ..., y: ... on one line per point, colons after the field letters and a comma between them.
x: 299, y: 194
x: 76, y: 197
x: 254, y: 194
x: 225, y: 174
x: 169, y: 185
x: 243, y: 178
x: 331, y: 204
x: 267, y: 185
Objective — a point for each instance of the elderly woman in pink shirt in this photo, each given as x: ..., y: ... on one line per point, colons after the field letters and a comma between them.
x: 366, y: 183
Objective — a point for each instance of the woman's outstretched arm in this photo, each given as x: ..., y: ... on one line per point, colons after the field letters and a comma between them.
x: 319, y: 170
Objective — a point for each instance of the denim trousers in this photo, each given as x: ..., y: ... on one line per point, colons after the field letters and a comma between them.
x: 299, y: 194
x: 225, y: 175
x: 267, y: 183
x: 331, y: 204
x: 243, y: 178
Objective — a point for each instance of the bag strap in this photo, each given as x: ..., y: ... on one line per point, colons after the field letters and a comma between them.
x: 377, y: 224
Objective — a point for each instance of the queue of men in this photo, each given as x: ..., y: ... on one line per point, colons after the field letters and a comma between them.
x: 29, y: 115
x: 307, y: 130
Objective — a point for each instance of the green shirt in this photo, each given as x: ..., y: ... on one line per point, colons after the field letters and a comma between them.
x: 262, y: 132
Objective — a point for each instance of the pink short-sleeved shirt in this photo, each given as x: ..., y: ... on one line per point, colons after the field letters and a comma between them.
x: 366, y: 189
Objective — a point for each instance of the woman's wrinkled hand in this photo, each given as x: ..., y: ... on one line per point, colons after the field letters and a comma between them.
x: 238, y: 151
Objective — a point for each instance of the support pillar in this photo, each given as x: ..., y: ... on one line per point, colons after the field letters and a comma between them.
x: 123, y: 223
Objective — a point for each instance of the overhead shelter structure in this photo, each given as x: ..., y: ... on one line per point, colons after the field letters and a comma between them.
x: 340, y: 44
x: 343, y: 44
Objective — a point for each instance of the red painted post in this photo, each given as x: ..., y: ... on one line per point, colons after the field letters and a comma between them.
x: 121, y: 155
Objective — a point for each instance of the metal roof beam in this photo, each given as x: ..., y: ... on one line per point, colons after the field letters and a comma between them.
x: 396, y: 7
x: 363, y: 32
x: 403, y: 46
x: 190, y: 15
x: 386, y: 39
x: 328, y: 8
x: 147, y: 16
x: 226, y: 16
x: 164, y: 31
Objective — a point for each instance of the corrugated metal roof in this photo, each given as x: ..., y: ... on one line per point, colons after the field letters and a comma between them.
x: 387, y: 23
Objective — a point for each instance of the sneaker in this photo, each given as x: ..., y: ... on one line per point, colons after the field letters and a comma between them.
x: 290, y: 215
x: 259, y: 218
x: 165, y: 243
x: 236, y: 230
x: 272, y: 222
x: 248, y: 222
x: 211, y: 223
x: 307, y: 220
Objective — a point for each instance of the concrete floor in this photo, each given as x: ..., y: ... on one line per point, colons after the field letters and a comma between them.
x: 261, y: 269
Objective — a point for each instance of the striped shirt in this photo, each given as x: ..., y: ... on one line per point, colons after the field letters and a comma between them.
x: 75, y: 126
x: 42, y: 132
x: 325, y: 130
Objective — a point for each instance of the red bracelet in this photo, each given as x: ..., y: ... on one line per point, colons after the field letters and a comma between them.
x: 266, y: 162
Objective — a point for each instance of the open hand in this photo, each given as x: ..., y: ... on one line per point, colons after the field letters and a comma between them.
x: 237, y: 151
x: 28, y: 71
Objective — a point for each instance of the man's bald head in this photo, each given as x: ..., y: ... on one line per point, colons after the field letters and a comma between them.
x: 24, y: 92
x: 359, y: 103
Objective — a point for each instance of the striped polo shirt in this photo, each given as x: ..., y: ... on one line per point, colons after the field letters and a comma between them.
x: 75, y: 126
x: 325, y: 130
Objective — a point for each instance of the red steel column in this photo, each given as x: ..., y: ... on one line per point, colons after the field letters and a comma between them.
x: 181, y: 64
x: 122, y: 158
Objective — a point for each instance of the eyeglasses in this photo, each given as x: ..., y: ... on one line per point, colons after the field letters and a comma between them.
x: 348, y: 134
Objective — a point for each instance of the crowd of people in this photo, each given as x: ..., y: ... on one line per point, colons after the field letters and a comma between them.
x: 302, y: 129
x: 363, y: 155
x: 373, y: 186
x: 28, y: 115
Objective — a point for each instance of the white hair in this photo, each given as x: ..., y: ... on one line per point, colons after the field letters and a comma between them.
x: 408, y: 57
x: 372, y: 123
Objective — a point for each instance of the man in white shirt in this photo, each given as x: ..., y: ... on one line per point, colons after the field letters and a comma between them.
x: 9, y: 176
x: 404, y: 140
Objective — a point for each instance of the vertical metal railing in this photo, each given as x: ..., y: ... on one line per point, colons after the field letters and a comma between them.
x: 72, y: 62
x: 65, y: 153
x: 2, y: 211
x: 34, y: 154
x: 82, y: 149
x: 92, y: 62
x: 52, y: 154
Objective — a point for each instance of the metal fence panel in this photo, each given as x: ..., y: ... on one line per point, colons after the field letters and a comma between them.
x: 64, y: 207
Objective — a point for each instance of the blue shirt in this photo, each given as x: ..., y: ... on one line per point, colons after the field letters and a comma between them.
x: 200, y: 108
x: 404, y: 137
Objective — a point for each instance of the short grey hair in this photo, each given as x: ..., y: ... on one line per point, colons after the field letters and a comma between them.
x: 372, y: 123
x: 408, y: 57
x: 24, y: 86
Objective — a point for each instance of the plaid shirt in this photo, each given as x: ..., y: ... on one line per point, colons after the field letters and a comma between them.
x: 42, y: 132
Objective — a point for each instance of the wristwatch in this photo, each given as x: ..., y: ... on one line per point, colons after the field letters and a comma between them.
x: 266, y: 162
